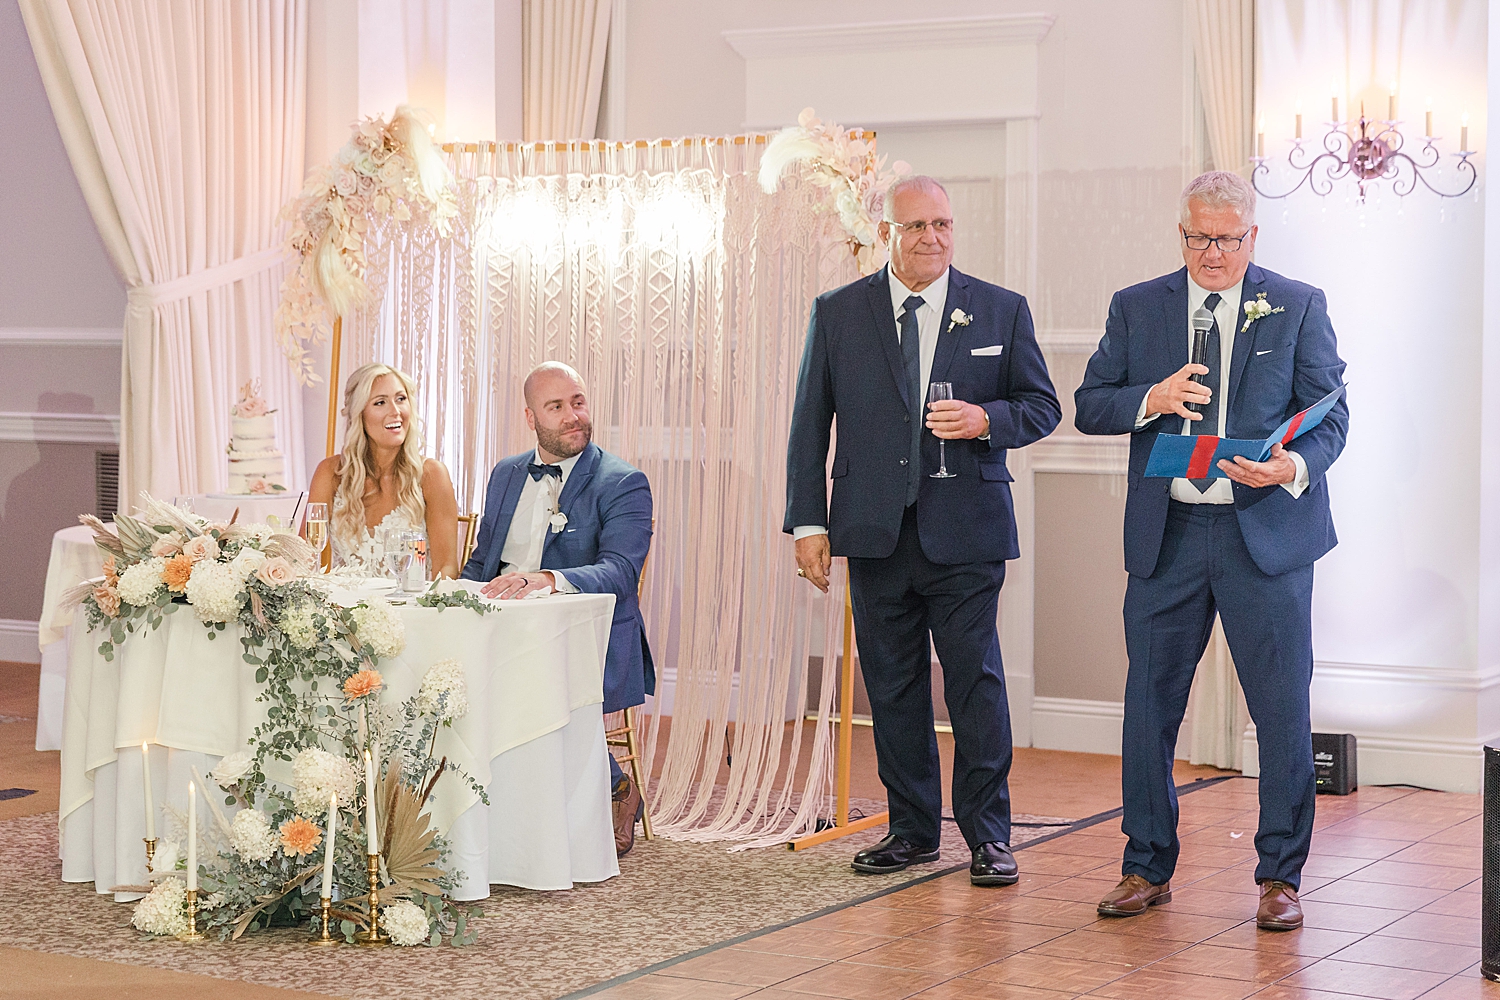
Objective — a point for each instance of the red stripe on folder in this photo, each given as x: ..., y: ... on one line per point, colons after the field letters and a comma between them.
x: 1291, y: 431
x: 1203, y: 453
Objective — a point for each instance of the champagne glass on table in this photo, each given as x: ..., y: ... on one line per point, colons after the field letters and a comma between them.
x: 317, y: 527
x: 414, y: 543
x: 935, y: 392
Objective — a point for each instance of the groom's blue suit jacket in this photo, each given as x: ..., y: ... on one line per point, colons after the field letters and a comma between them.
x: 602, y: 548
x: 1283, y: 363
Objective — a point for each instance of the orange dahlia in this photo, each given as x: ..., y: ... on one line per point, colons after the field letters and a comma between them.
x: 111, y: 576
x: 177, y: 571
x: 299, y: 836
x: 365, y: 682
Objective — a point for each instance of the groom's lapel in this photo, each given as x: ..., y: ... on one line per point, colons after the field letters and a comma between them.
x: 578, y: 481
x: 508, y: 501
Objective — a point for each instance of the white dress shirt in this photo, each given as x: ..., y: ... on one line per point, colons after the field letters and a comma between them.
x: 1227, y: 314
x: 531, y: 522
x: 929, y: 326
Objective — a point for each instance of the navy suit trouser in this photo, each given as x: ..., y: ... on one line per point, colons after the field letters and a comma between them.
x: 1204, y: 568
x: 898, y: 602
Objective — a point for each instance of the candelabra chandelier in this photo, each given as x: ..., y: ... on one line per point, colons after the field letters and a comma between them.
x: 1376, y: 154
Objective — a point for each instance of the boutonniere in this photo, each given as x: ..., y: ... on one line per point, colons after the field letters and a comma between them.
x: 557, y: 521
x: 1258, y: 308
x: 958, y: 318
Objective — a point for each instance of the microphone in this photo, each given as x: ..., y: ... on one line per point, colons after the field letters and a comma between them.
x: 1203, y: 321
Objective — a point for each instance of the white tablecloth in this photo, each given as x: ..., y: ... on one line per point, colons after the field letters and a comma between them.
x: 533, y: 736
x: 74, y: 557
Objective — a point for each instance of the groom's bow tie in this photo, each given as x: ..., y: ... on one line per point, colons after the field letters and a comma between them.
x: 538, y: 471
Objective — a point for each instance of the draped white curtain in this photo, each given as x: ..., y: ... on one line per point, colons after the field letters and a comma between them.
x: 562, y: 67
x: 1224, y: 52
x: 183, y: 120
x: 681, y: 292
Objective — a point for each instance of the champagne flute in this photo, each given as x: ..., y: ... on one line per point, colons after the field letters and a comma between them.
x: 935, y: 392
x: 316, y: 528
x: 414, y: 544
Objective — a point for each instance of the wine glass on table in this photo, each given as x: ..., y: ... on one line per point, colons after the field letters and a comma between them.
x: 935, y: 392
x: 398, y: 560
x: 414, y: 543
x: 316, y: 528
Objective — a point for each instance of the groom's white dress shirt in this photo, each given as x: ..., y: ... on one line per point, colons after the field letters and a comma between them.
x: 531, y: 522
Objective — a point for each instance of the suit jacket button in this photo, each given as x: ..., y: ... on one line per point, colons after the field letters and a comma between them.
x: 907, y: 418
x: 903, y: 461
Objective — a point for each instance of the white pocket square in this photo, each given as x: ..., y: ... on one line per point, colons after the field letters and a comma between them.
x: 988, y: 352
x: 1259, y: 353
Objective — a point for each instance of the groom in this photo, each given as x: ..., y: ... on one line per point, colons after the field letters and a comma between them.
x: 570, y: 516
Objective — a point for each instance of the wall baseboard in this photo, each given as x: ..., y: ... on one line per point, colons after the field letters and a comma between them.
x: 1077, y: 724
x: 18, y: 641
x: 1447, y: 765
x: 25, y: 336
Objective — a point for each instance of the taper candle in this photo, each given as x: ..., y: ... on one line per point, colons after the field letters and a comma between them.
x: 1391, y: 113
x: 1335, y: 89
x: 192, y: 844
x: 146, y: 784
x: 1299, y: 118
x: 333, y: 826
x: 1260, y: 139
x: 372, y: 836
x: 1463, y: 135
x: 1429, y: 118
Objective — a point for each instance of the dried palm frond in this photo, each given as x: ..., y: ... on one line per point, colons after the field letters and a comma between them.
x: 270, y: 899
x: 74, y: 595
x: 294, y: 550
x: 107, y: 540
x: 410, y: 857
x: 154, y: 512
x: 136, y: 536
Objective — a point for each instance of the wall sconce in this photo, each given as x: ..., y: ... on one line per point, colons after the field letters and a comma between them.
x: 1375, y: 154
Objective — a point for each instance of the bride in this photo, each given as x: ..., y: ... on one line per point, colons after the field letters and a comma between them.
x: 381, y: 482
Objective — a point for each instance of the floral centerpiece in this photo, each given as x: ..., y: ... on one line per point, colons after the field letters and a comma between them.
x: 387, y: 170
x: 854, y: 178
x: 317, y: 663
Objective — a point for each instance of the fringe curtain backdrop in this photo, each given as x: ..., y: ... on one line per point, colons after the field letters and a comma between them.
x: 681, y: 292
x: 183, y: 120
x: 1224, y: 50
x: 562, y: 67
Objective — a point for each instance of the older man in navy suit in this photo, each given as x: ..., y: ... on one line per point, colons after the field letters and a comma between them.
x: 1241, y: 547
x: 570, y: 516
x: 926, y: 553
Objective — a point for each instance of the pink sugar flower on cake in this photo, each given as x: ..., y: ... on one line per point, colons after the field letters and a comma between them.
x: 259, y: 485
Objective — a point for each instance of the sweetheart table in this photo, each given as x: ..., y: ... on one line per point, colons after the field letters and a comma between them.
x: 533, y: 738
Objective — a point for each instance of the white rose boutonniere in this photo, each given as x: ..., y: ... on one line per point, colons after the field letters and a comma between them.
x: 1258, y: 308
x: 958, y: 318
x: 557, y: 521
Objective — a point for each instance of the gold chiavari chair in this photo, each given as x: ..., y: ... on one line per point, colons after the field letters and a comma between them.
x: 625, y: 736
x: 468, y: 533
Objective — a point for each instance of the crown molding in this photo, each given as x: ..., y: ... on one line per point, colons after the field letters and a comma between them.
x: 61, y: 428
x: 1085, y: 454
x: 25, y: 336
x: 1005, y: 29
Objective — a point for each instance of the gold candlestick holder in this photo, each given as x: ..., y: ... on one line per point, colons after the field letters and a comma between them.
x: 191, y: 934
x: 374, y: 935
x: 326, y: 903
x: 150, y: 854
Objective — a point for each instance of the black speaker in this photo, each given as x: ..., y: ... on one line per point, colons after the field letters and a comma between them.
x: 1489, y: 927
x: 1335, y: 763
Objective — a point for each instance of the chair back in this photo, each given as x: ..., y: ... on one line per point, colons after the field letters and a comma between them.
x: 468, y: 533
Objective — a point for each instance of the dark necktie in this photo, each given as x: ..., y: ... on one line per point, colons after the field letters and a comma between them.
x: 538, y: 471
x: 1211, y: 357
x: 911, y: 361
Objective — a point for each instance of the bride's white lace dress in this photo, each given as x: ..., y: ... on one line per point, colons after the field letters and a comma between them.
x: 368, y: 557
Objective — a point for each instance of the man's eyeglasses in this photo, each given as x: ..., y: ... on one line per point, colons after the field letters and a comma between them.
x: 917, y: 228
x: 1227, y: 244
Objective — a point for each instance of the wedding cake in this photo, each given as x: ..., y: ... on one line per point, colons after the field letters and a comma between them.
x: 255, y: 463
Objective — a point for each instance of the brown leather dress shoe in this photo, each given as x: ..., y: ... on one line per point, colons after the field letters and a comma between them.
x: 1279, y: 908
x: 1131, y: 897
x: 627, y: 807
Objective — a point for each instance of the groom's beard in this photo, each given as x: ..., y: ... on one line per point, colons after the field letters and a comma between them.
x: 565, y: 444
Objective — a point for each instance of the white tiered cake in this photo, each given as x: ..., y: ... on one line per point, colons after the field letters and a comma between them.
x: 255, y: 463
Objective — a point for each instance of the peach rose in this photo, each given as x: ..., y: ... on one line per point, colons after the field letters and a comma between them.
x: 176, y: 573
x: 201, y: 547
x: 275, y: 571
x: 167, y: 545
x: 108, y: 600
x: 299, y: 836
x: 251, y: 407
x: 365, y: 682
x: 111, y: 574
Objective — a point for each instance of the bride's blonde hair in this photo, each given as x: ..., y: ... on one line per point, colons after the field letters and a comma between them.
x: 356, y: 468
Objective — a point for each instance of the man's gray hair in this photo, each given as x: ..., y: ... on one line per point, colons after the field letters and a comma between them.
x: 888, y: 210
x: 1219, y: 189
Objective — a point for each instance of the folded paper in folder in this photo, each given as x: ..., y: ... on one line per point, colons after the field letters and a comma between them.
x: 1197, y: 456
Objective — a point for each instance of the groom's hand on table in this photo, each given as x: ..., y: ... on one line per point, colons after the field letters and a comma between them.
x: 513, y: 585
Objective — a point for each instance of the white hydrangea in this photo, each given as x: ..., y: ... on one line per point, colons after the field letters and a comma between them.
x: 318, y: 774
x: 232, y: 768
x: 251, y: 835
x: 164, y: 910
x: 260, y: 530
x: 444, y: 677
x: 380, y: 629
x: 298, y: 625
x: 246, y: 562
x: 141, y: 583
x: 405, y: 922
x: 214, y: 591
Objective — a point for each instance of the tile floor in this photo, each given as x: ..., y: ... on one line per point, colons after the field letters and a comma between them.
x: 1390, y: 895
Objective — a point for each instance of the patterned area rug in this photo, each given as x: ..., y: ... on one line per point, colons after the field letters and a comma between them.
x: 671, y: 898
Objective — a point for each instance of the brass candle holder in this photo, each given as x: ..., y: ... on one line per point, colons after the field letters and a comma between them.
x: 326, y: 903
x: 191, y: 934
x: 150, y: 854
x: 374, y: 935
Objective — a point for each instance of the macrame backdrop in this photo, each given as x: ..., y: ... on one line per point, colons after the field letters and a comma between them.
x: 681, y: 292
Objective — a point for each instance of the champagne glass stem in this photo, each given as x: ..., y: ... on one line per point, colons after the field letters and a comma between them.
x: 942, y: 457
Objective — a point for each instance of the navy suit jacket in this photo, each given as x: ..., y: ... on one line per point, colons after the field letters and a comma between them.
x: 1284, y: 363
x: 852, y: 368
x: 602, y: 548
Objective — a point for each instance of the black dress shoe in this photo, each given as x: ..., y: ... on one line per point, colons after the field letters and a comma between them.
x: 892, y: 855
x: 993, y: 864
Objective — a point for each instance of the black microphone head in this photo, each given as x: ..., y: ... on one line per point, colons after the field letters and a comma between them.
x: 1203, y: 320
